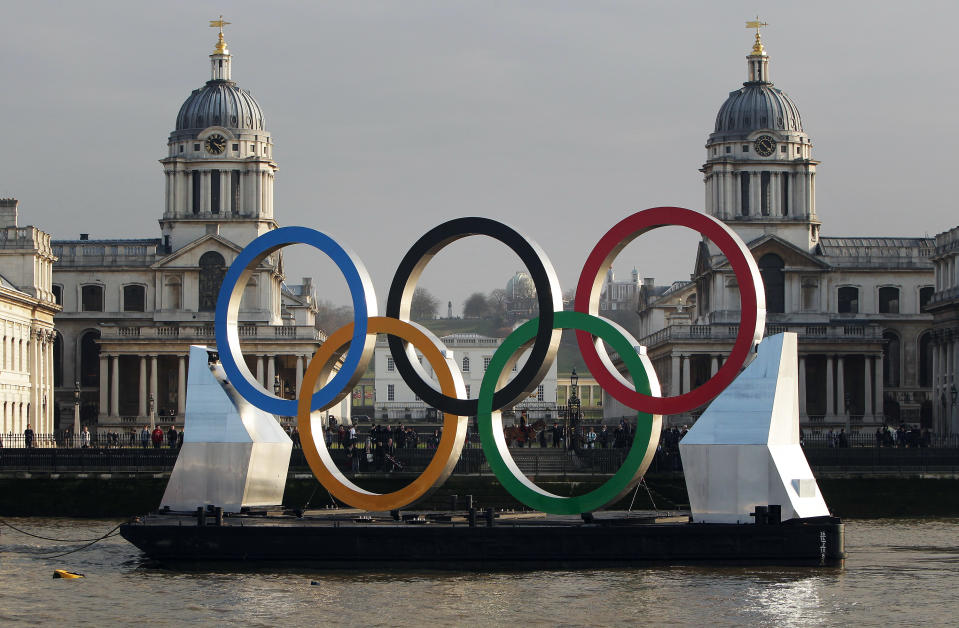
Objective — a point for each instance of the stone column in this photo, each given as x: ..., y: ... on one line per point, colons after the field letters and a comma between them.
x: 868, y: 383
x: 830, y: 396
x: 142, y: 406
x: 840, y: 387
x: 115, y: 386
x: 686, y: 373
x: 271, y: 373
x: 713, y: 365
x: 204, y: 191
x: 154, y: 376
x: 181, y: 386
x: 104, y: 384
x: 259, y: 369
x: 802, y: 387
x: 879, y: 410
x: 225, y: 193
x: 674, y: 376
x: 299, y: 373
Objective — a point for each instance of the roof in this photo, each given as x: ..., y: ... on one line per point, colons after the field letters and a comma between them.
x: 876, y: 247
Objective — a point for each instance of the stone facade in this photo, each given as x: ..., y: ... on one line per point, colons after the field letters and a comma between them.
x: 856, y: 303
x: 942, y: 358
x: 27, y: 308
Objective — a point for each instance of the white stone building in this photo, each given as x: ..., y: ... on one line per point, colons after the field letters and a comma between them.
x: 133, y: 307
x: 856, y: 302
x: 27, y: 308
x: 472, y: 352
x: 942, y: 362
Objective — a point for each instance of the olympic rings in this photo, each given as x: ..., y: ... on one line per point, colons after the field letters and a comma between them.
x: 454, y: 427
x: 547, y: 293
x: 490, y: 423
x: 541, y: 333
x: 753, y: 306
x: 228, y: 308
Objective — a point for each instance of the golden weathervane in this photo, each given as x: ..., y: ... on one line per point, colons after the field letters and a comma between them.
x: 220, y: 42
x: 757, y: 46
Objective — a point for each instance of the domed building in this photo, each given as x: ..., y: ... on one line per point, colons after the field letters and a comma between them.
x: 520, y: 298
x: 133, y: 307
x: 856, y: 303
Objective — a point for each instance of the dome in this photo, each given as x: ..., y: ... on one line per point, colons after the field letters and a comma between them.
x: 757, y: 106
x: 520, y: 286
x: 219, y: 103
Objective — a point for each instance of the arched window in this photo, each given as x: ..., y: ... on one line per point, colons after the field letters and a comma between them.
x: 888, y: 300
x: 212, y: 270
x: 891, y: 353
x: 57, y: 360
x: 91, y: 298
x: 134, y: 298
x: 925, y: 360
x: 90, y: 359
x: 925, y: 295
x: 466, y: 364
x: 848, y: 300
x: 774, y: 280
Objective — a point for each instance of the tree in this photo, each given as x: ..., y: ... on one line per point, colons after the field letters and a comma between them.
x: 424, y: 305
x: 330, y: 317
x: 476, y: 306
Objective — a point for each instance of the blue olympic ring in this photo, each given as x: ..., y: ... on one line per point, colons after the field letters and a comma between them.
x: 228, y: 306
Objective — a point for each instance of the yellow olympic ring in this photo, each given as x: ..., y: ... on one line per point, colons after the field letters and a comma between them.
x: 454, y: 427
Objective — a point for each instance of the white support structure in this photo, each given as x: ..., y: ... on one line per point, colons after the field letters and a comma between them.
x: 744, y: 450
x: 233, y: 454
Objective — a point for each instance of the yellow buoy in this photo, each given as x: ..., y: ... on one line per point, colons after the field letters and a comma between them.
x: 63, y: 573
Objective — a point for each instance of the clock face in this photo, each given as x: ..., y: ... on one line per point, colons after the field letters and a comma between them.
x: 215, y: 144
x: 765, y: 145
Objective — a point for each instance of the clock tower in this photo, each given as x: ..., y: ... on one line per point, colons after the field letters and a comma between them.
x: 219, y: 166
x: 759, y: 173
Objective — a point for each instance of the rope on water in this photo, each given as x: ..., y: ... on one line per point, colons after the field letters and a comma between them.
x: 46, y: 538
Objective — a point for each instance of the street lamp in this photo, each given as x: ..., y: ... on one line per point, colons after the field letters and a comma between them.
x: 276, y: 385
x: 153, y: 422
x: 76, y: 411
x: 572, y: 409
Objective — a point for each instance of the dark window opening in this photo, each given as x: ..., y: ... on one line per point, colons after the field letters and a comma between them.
x: 764, y: 193
x: 57, y: 360
x: 195, y: 175
x: 91, y: 299
x: 745, y: 148
x: 235, y: 191
x: 729, y: 149
x: 782, y: 149
x: 925, y: 296
x: 744, y: 192
x: 925, y: 360
x: 58, y: 295
x: 236, y: 147
x: 197, y: 146
x: 212, y: 270
x: 888, y: 300
x: 181, y: 148
x: 90, y: 359
x: 784, y: 179
x: 134, y: 298
x: 215, y: 191
x: 890, y: 359
x: 771, y: 268
x: 849, y: 300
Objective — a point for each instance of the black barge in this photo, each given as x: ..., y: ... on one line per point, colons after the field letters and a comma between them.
x: 481, y: 540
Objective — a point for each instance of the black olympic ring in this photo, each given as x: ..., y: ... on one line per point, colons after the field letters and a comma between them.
x: 548, y: 295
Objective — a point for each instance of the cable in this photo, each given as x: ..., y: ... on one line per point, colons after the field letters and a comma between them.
x: 46, y: 538
x: 105, y: 536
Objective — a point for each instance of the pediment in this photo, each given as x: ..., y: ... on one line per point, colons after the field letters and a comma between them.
x: 189, y: 255
x: 792, y: 256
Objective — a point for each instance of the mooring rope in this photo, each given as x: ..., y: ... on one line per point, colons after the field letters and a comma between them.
x: 45, y: 538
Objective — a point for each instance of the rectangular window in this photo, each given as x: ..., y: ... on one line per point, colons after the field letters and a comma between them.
x: 764, y: 193
x: 236, y: 148
x: 196, y: 147
x: 745, y: 148
x: 540, y: 393
x: 784, y: 180
x: 888, y: 300
x: 391, y: 392
x: 389, y: 363
x: 58, y: 294
x: 486, y: 360
x: 181, y: 148
x: 744, y: 192
x: 235, y: 192
x: 729, y: 149
x: 253, y: 148
x: 467, y: 391
x: 195, y: 177
x: 782, y: 149
x: 848, y: 300
x: 91, y: 298
x: 215, y: 191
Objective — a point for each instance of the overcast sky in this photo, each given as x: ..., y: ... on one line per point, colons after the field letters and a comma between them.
x: 559, y: 118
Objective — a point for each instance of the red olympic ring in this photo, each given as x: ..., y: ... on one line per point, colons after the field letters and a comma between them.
x: 752, y: 302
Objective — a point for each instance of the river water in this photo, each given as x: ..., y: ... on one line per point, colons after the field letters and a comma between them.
x: 899, y: 572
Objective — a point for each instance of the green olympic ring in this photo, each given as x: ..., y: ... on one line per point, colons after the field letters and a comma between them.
x: 490, y: 423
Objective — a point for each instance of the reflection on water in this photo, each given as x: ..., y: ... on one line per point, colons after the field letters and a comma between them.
x: 898, y: 572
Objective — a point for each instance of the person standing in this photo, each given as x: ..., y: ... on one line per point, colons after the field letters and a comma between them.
x: 157, y: 437
x: 171, y: 437
x: 85, y: 437
x: 28, y: 437
x: 145, y: 437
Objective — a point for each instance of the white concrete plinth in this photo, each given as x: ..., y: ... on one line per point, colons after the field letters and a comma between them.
x: 744, y: 450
